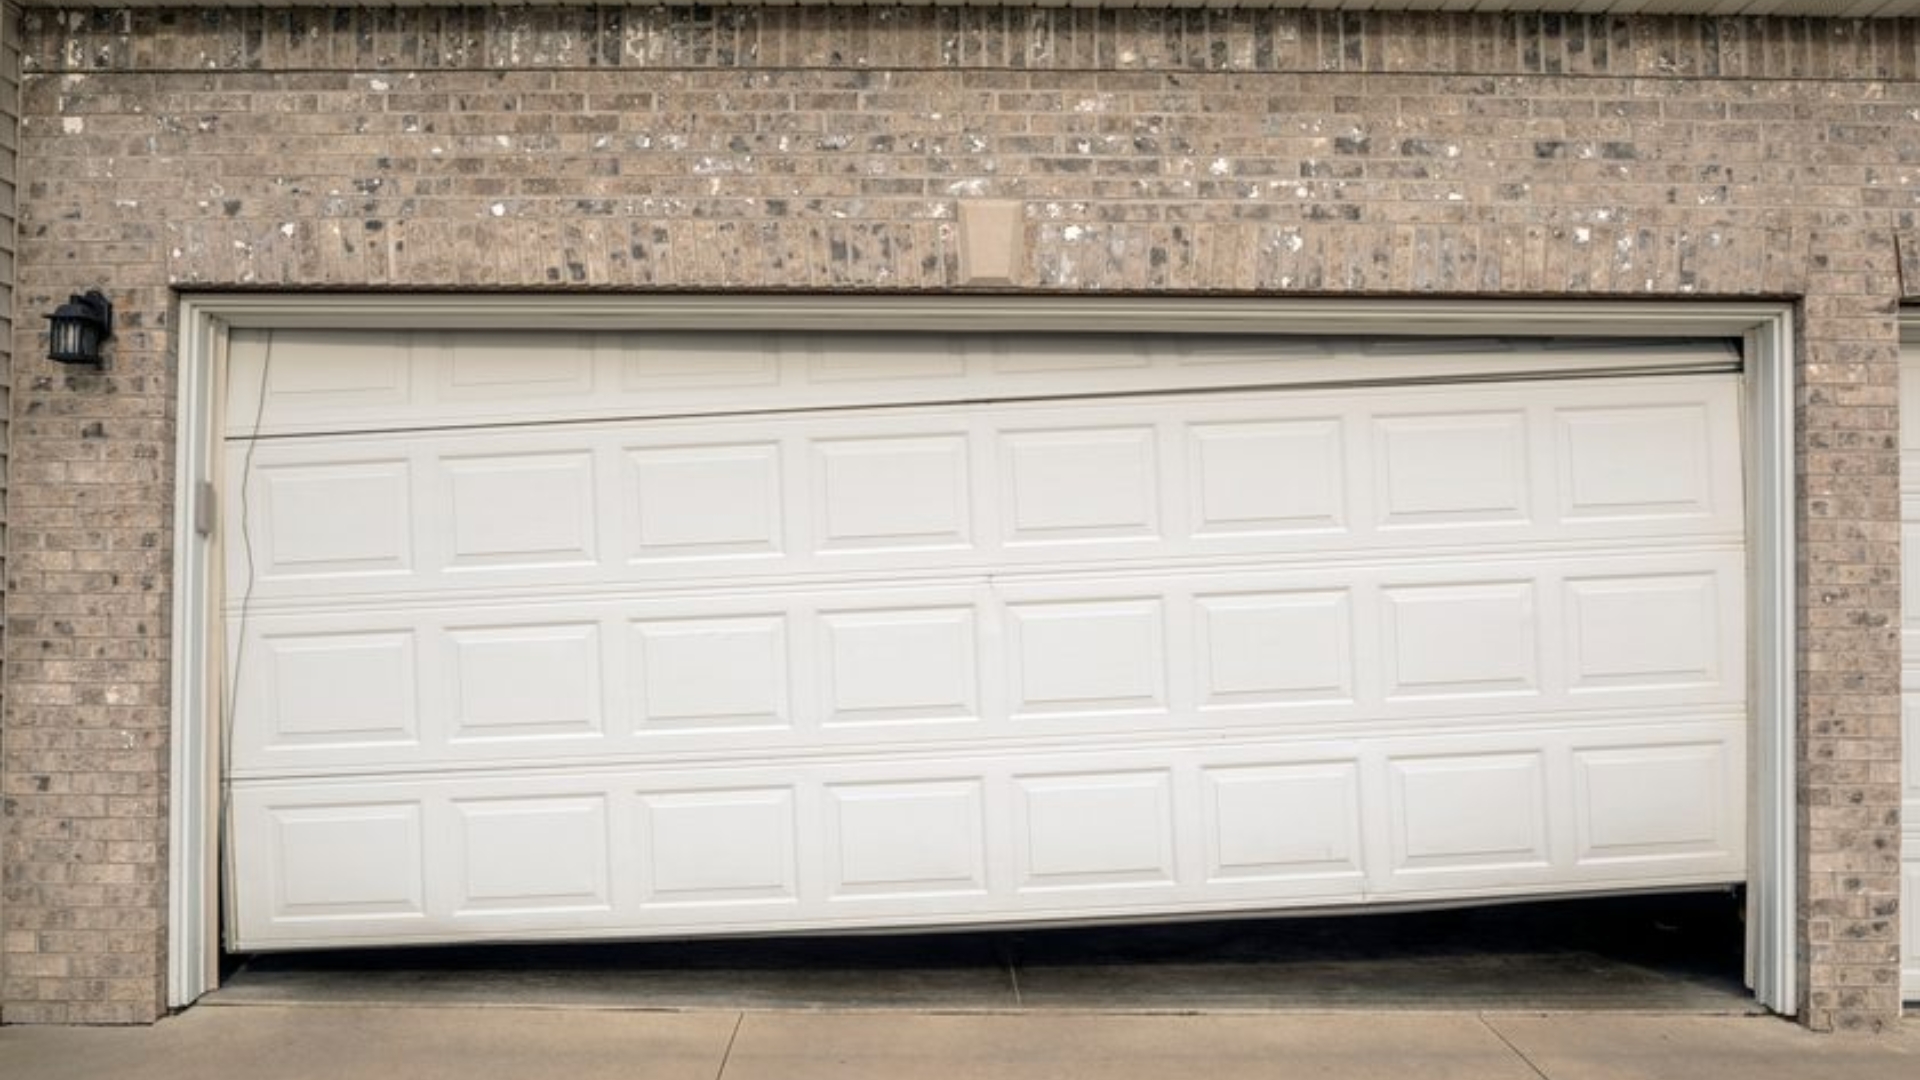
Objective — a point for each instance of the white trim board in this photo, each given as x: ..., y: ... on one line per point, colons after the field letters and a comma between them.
x: 1909, y: 682
x: 205, y: 319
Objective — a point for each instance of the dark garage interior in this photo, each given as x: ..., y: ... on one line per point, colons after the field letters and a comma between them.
x: 1655, y: 952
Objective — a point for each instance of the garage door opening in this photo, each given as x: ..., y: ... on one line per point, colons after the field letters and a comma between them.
x: 1668, y: 952
x: 684, y: 633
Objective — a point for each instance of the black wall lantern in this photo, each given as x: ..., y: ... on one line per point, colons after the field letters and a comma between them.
x: 79, y: 326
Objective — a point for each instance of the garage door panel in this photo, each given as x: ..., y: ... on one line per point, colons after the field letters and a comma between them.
x: 913, y: 839
x: 1470, y: 639
x: 1079, y: 483
x: 297, y: 848
x: 1241, y: 825
x: 1087, y: 657
x: 519, y: 511
x: 326, y: 520
x: 1110, y: 828
x: 892, y: 491
x: 1910, y: 736
x: 332, y: 381
x: 652, y: 634
x: 1910, y: 665
x: 530, y: 856
x: 322, y: 690
x: 1909, y: 926
x: 701, y: 501
x: 899, y: 666
x: 718, y: 847
x: 1267, y: 476
x: 539, y: 680
x: 319, y: 376
x: 1647, y: 631
x: 504, y: 366
x: 1004, y: 488
x: 718, y: 673
x: 1469, y: 814
x: 1273, y: 647
x: 1280, y: 822
x: 1454, y: 468
x: 1645, y: 803
x: 1637, y: 461
x: 1345, y: 647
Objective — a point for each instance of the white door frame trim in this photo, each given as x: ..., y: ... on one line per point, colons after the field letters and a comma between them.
x: 205, y: 319
x: 1909, y: 320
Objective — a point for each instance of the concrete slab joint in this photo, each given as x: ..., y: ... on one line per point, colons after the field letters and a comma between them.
x: 1424, y: 156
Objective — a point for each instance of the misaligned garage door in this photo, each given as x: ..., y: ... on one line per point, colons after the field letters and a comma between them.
x: 665, y: 634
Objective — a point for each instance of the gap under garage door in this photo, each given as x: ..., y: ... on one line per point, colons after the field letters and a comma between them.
x: 647, y: 635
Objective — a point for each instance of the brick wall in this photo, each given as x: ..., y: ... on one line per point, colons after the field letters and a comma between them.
x: 830, y: 149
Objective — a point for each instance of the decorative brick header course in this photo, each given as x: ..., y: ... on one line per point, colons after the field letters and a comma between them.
x: 1057, y: 39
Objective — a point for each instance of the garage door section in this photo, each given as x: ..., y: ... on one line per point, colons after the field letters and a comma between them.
x: 659, y: 635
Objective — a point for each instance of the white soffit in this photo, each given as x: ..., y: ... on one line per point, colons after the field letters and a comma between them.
x: 1842, y: 9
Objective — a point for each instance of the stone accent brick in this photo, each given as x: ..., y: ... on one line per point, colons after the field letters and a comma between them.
x: 1190, y: 152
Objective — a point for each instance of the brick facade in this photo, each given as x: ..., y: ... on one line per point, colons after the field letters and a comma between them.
x: 829, y: 149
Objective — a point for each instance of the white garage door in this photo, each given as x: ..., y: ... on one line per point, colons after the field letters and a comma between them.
x: 657, y: 634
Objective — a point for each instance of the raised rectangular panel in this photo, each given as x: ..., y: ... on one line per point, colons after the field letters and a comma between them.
x: 1640, y: 802
x: 1910, y: 928
x: 357, y: 861
x: 518, y: 364
x: 1910, y: 396
x: 526, y: 681
x: 342, y: 367
x: 1910, y: 572
x: 1282, y: 821
x: 906, y: 839
x: 1256, y: 350
x: 1094, y: 829
x: 1094, y: 656
x: 1649, y: 461
x: 520, y: 510
x: 1467, y: 468
x: 533, y: 854
x: 1910, y: 747
x: 712, y: 673
x: 893, y: 492
x: 693, y: 501
x: 1468, y: 812
x: 1445, y: 640
x: 1267, y: 476
x: 657, y: 360
x: 718, y: 847
x: 337, y: 690
x: 315, y: 371
x: 1642, y: 632
x: 885, y: 666
x: 1274, y: 648
x: 1028, y: 354
x: 1084, y: 484
x: 333, y: 519
x: 886, y: 358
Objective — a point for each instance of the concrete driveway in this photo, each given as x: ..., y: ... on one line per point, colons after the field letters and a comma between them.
x: 500, y: 1043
